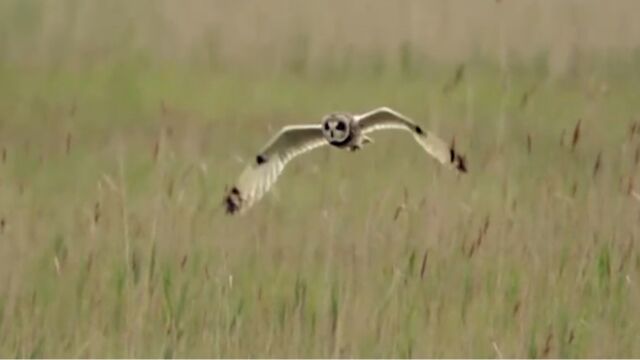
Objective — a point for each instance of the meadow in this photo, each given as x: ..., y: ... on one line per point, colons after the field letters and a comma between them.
x: 122, y: 123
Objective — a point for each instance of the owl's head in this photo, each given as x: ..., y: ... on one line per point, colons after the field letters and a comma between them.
x: 336, y: 127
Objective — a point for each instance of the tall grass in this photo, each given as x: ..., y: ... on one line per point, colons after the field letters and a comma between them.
x: 121, y: 123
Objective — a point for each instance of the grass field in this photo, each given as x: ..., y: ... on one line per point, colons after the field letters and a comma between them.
x: 121, y: 124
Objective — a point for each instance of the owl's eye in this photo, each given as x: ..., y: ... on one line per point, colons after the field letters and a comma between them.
x: 341, y: 126
x: 326, y: 126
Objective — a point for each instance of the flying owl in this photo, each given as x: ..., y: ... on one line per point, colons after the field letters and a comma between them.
x: 339, y: 129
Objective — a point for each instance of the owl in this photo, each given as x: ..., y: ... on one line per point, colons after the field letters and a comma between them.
x: 339, y: 129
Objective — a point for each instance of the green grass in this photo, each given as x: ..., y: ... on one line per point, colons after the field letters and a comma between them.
x: 114, y: 243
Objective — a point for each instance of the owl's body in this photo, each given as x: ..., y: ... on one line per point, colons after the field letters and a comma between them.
x: 340, y: 129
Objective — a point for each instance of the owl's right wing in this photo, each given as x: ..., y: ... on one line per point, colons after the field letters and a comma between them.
x: 258, y: 177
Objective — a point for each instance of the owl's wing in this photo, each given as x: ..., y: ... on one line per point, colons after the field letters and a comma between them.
x: 385, y: 118
x: 258, y: 177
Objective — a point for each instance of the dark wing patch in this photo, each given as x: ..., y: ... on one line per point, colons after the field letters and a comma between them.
x: 260, y: 159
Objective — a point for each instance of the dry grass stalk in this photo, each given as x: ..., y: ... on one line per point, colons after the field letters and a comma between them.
x: 576, y: 135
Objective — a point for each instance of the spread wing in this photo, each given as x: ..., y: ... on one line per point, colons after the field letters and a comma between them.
x: 385, y: 118
x: 258, y: 177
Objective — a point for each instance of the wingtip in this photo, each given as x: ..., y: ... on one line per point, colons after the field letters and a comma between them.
x: 233, y: 201
x: 461, y: 164
x: 459, y: 161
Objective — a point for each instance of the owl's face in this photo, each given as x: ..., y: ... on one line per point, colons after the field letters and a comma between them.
x: 336, y: 128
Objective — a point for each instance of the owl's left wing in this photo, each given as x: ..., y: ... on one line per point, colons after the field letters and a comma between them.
x: 385, y: 118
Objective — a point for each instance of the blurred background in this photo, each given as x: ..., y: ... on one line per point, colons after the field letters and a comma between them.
x: 273, y: 36
x: 122, y: 123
